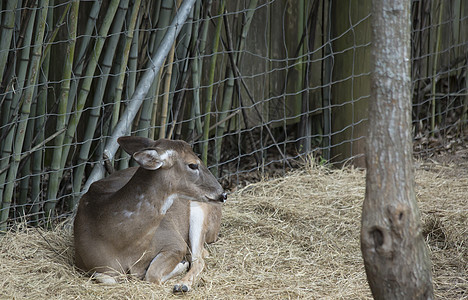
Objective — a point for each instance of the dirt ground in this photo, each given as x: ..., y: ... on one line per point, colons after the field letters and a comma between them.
x: 293, y: 237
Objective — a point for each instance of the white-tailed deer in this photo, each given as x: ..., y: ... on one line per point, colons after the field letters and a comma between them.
x: 147, y: 220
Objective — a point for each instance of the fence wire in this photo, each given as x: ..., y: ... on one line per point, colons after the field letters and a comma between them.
x: 256, y: 87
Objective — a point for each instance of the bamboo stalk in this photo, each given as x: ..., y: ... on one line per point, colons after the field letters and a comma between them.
x: 299, y: 82
x: 464, y: 116
x: 56, y: 164
x: 131, y: 83
x: 80, y: 58
x: 43, y: 142
x: 306, y: 121
x: 86, y: 85
x: 130, y: 87
x: 209, y: 93
x: 11, y: 108
x: 229, y: 85
x: 7, y: 33
x: 129, y: 41
x: 25, y: 111
x: 26, y: 164
x: 97, y: 99
x: 148, y: 110
x: 179, y: 100
x: 240, y: 78
x: 142, y: 89
x: 204, y: 30
x: 182, y: 51
x: 10, y: 111
x: 54, y: 33
x: 195, y: 126
x: 132, y: 65
x: 158, y: 6
x: 326, y: 83
x: 16, y: 83
x: 38, y: 151
x: 434, y: 69
x: 154, y: 110
x: 167, y: 84
x: 167, y: 90
x: 180, y: 74
x: 153, y: 133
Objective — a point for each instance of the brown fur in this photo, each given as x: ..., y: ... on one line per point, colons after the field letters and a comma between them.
x: 135, y: 215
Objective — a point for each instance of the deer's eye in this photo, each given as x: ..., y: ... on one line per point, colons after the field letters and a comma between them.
x: 193, y: 166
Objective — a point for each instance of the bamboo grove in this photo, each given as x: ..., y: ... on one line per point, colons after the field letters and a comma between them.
x: 50, y: 121
x: 248, y: 83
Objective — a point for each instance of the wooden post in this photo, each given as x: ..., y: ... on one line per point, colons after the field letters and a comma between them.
x: 395, y: 256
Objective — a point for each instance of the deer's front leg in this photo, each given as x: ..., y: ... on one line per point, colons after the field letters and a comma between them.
x: 197, y: 234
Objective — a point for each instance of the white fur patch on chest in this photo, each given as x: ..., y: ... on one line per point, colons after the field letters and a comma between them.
x: 167, y: 203
x: 197, y: 220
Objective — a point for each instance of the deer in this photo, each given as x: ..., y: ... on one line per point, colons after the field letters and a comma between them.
x: 151, y: 221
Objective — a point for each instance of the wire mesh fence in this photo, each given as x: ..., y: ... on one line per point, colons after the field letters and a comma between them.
x: 254, y: 86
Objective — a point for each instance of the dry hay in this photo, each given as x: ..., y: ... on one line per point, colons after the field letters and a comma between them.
x: 291, y: 237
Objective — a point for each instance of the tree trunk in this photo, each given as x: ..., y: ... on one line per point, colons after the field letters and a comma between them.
x: 395, y: 256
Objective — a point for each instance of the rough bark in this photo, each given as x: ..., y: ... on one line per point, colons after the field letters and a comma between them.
x: 395, y: 256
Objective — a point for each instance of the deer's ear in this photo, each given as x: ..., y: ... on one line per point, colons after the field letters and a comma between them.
x: 151, y: 159
x: 132, y: 144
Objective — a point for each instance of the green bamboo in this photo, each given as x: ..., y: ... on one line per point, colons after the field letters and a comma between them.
x: 80, y: 58
x: 229, y: 86
x: 462, y: 38
x: 132, y: 64
x: 10, y: 111
x: 33, y: 165
x: 25, y: 111
x: 181, y: 67
x: 142, y: 89
x: 7, y: 33
x: 167, y: 85
x: 156, y: 10
x: 327, y: 82
x: 5, y: 106
x: 37, y: 169
x: 434, y: 70
x: 209, y: 92
x: 148, y: 105
x: 26, y: 164
x: 54, y: 33
x: 130, y: 88
x: 299, y: 66
x: 129, y: 41
x: 183, y: 46
x: 56, y: 164
x: 167, y: 89
x: 13, y: 84
x: 97, y: 100
x: 85, y: 87
x: 206, y: 24
x: 9, y: 82
x: 155, y: 103
x: 11, y: 108
x: 196, y: 67
x: 178, y: 69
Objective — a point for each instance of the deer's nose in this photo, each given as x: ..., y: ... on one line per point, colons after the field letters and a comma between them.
x: 223, y: 197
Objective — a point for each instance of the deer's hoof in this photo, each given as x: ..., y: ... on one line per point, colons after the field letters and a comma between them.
x: 180, y: 288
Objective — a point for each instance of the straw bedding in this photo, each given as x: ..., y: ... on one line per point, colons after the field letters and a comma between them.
x: 290, y: 237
